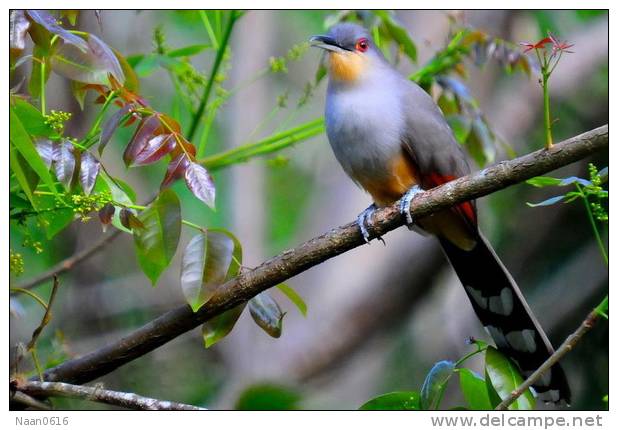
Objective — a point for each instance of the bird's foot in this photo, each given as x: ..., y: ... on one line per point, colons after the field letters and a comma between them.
x: 364, y: 221
x: 404, y: 204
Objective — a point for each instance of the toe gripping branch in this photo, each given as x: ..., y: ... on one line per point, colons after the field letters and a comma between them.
x: 404, y: 204
x: 364, y: 221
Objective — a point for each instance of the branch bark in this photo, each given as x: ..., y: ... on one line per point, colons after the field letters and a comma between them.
x: 96, y: 394
x: 313, y: 252
x: 68, y: 263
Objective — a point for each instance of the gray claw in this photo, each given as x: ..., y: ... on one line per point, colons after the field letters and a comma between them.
x: 364, y: 220
x: 404, y: 205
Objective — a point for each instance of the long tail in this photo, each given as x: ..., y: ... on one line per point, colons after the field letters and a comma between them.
x: 503, y: 311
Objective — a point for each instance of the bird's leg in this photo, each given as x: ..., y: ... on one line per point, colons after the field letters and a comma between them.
x: 404, y: 204
x: 364, y: 221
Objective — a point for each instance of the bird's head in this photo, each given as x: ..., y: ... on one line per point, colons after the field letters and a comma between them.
x: 351, y: 51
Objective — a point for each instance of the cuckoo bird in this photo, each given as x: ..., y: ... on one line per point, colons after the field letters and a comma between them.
x: 392, y: 139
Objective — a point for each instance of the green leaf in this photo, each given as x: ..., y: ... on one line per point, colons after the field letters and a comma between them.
x: 188, y: 51
x: 474, y: 390
x: 220, y: 326
x: 548, y: 202
x: 267, y: 397
x: 294, y: 297
x: 543, y: 181
x: 505, y: 378
x: 20, y: 138
x: 266, y: 313
x: 435, y: 383
x: 156, y: 243
x: 32, y: 119
x: 398, y: 33
x: 205, y: 264
x: 480, y: 143
x: 461, y: 126
x: 53, y: 219
x: 395, y: 401
x: 22, y: 173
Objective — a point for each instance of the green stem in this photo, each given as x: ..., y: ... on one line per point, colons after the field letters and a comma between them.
x: 269, y: 144
x: 209, y: 29
x: 88, y: 140
x: 597, y: 235
x: 37, y: 365
x: 469, y: 355
x: 31, y: 294
x: 43, y: 67
x: 213, y: 73
x: 548, y: 137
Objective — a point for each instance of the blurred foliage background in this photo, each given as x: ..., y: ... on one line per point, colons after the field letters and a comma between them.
x: 378, y: 317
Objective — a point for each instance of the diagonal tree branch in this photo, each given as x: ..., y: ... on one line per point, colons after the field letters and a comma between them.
x: 96, y: 394
x: 313, y: 252
x: 70, y: 262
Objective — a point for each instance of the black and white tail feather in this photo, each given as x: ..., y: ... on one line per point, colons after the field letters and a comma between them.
x: 503, y: 311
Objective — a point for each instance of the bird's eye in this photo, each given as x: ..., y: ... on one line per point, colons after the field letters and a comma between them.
x: 362, y: 44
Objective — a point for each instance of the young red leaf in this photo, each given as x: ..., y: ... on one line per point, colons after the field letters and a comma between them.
x: 144, y: 132
x: 155, y: 149
x: 50, y: 23
x: 200, y: 183
x: 111, y: 125
x: 18, y: 26
x: 64, y: 163
x: 88, y: 172
x: 175, y: 170
x: 46, y: 149
x: 93, y: 66
x: 129, y: 220
x: 106, y: 213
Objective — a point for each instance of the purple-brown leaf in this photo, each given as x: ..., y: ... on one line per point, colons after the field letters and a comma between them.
x: 111, y: 125
x: 88, y: 172
x: 46, y: 150
x: 50, y: 23
x: 129, y: 220
x: 144, y: 132
x: 155, y: 149
x: 92, y: 66
x: 18, y: 26
x: 200, y: 183
x: 175, y: 170
x: 106, y: 214
x: 64, y: 163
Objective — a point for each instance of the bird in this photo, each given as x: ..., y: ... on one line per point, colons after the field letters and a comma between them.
x: 392, y: 140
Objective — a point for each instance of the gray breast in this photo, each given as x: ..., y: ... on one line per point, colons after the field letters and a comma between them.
x: 364, y: 126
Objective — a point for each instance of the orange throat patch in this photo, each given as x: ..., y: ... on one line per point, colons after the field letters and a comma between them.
x: 346, y: 67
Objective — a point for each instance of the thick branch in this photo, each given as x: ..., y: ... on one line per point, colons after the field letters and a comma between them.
x: 67, y: 264
x: 566, y: 346
x: 313, y: 252
x: 96, y: 394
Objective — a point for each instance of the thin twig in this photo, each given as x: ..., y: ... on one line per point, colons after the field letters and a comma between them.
x: 29, y: 402
x: 70, y: 262
x: 566, y: 346
x: 46, y: 316
x: 315, y: 251
x: 97, y: 394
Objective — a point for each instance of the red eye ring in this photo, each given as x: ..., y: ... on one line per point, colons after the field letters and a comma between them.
x: 362, y: 44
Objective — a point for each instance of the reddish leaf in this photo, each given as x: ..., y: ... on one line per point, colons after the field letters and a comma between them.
x: 145, y: 131
x: 64, y: 163
x: 529, y: 46
x: 155, y: 149
x: 200, y: 183
x: 129, y: 220
x: 111, y: 125
x: 18, y: 26
x: 51, y: 24
x: 93, y: 66
x: 46, y: 149
x: 175, y: 170
x: 106, y: 213
x: 170, y: 123
x: 88, y: 172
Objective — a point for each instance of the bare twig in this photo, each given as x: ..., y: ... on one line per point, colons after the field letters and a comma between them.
x: 566, y: 346
x: 70, y: 262
x: 46, y: 316
x: 29, y: 402
x: 96, y: 394
x: 313, y: 252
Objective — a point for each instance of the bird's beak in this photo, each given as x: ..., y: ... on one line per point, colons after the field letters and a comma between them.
x: 327, y: 43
